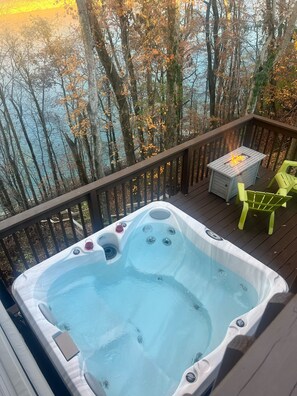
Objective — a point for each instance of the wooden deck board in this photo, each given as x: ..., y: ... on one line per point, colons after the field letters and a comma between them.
x: 278, y: 251
x: 269, y: 366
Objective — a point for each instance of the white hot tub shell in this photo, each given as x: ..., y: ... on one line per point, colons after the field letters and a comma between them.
x: 33, y: 304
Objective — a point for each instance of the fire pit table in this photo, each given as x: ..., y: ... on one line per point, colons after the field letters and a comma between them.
x: 240, y: 165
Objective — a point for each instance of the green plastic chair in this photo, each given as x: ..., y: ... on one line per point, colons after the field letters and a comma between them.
x: 261, y: 202
x: 284, y: 179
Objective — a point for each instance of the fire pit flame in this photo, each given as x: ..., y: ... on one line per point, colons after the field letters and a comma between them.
x: 237, y: 159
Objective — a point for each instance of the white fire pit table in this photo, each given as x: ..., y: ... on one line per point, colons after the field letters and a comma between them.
x: 240, y: 165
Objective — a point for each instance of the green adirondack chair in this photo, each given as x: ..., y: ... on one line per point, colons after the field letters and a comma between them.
x: 284, y: 179
x: 261, y: 202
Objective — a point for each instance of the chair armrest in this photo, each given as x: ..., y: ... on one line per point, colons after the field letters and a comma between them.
x: 242, y: 195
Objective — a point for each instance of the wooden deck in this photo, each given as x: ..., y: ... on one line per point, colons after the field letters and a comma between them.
x: 268, y: 368
x: 278, y: 251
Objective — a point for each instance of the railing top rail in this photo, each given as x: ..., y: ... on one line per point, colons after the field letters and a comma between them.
x: 275, y: 125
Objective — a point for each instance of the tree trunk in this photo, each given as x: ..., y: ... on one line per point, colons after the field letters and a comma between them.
x: 116, y: 82
x: 124, y: 25
x: 34, y: 159
x: 174, y: 88
x: 18, y: 145
x: 93, y: 105
x: 22, y: 199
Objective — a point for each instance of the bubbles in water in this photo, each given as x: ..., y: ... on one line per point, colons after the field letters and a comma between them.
x: 147, y: 228
x: 150, y: 240
x: 167, y: 241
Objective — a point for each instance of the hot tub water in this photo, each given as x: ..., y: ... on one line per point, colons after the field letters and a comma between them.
x: 137, y: 327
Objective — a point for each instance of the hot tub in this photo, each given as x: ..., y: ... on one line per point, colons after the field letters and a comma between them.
x: 145, y: 306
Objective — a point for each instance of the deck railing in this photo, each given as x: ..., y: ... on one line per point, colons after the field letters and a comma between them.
x: 31, y: 236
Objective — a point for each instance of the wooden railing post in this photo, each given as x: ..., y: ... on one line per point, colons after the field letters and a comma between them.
x: 248, y: 135
x: 95, y: 211
x: 186, y: 166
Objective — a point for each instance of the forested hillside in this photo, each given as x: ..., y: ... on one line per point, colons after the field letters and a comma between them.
x: 128, y: 79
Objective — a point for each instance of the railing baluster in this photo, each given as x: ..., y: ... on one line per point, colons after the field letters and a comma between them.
x: 95, y: 211
x: 158, y: 184
x: 176, y: 175
x: 63, y: 229
x: 20, y: 250
x: 288, y: 147
x: 152, y: 185
x: 52, y: 231
x: 9, y: 259
x: 138, y: 192
x: 107, y: 202
x: 192, y: 170
x: 278, y: 153
x: 198, y: 165
x: 145, y: 187
x: 124, y: 199
x: 116, y: 203
x: 39, y: 231
x: 170, y: 179
x: 270, y: 151
x: 82, y: 220
x: 164, y: 182
x: 31, y: 245
x: 186, y: 160
x: 131, y: 196
x: 262, y: 139
x: 72, y: 224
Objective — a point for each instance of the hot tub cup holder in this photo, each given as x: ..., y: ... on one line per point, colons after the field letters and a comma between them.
x: 89, y: 245
x: 119, y: 228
